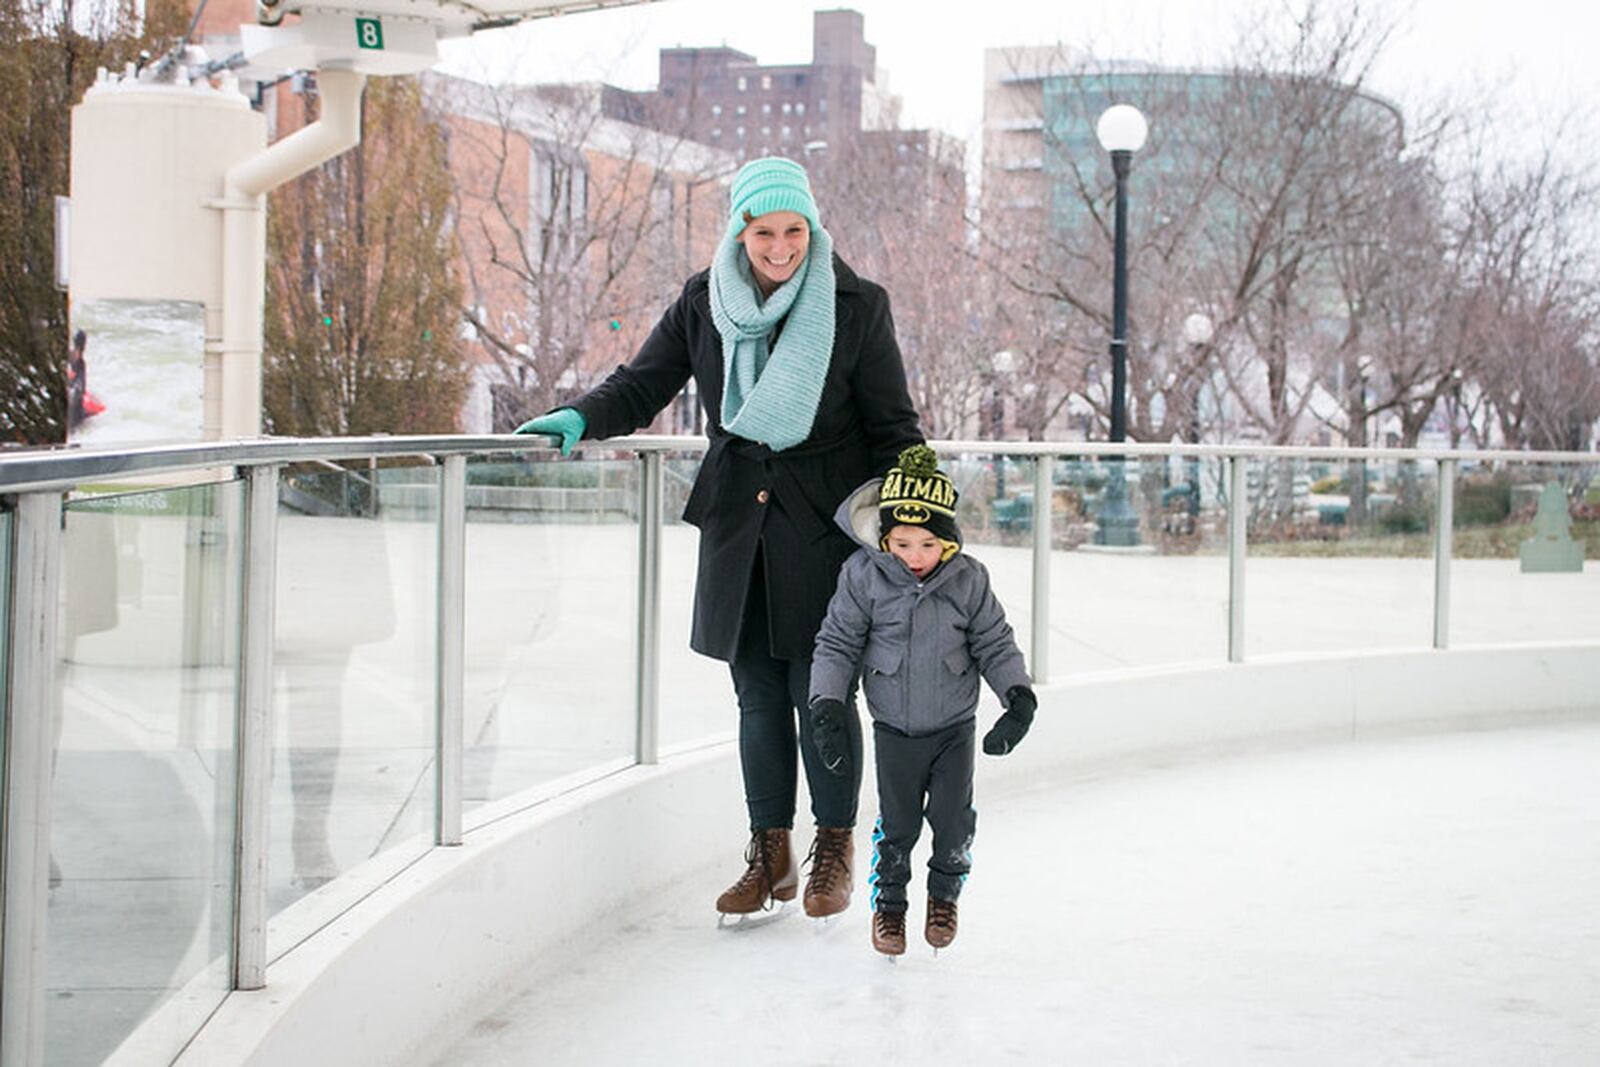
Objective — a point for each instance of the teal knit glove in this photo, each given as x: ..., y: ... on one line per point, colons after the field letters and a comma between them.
x: 567, y: 424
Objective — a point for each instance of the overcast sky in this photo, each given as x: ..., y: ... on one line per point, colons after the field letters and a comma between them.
x: 1528, y: 57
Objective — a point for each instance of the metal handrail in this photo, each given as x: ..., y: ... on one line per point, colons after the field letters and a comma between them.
x: 65, y: 468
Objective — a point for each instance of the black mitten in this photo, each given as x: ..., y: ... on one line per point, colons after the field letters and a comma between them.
x: 828, y: 734
x: 1009, y: 730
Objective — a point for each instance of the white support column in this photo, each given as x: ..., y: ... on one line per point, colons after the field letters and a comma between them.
x: 31, y: 710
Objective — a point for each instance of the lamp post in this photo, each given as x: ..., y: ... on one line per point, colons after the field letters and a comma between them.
x: 1121, y: 130
x: 1197, y: 331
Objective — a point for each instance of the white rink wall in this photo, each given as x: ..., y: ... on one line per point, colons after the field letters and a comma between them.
x: 432, y: 945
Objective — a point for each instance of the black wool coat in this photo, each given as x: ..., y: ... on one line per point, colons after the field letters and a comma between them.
x: 746, y: 495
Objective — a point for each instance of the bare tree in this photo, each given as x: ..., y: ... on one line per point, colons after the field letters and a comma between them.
x: 894, y: 202
x: 1533, y: 320
x: 362, y: 302
x: 578, y: 228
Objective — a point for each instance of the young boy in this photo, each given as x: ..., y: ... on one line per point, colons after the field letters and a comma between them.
x: 919, y: 614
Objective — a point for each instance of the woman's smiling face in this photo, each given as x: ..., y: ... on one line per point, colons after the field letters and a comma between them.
x: 776, y: 244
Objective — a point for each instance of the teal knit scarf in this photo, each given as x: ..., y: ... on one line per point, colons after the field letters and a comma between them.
x: 771, y: 397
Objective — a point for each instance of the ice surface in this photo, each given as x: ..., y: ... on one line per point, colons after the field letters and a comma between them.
x: 1415, y: 900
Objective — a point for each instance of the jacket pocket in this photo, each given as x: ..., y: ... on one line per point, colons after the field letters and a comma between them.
x: 959, y: 694
x: 880, y: 682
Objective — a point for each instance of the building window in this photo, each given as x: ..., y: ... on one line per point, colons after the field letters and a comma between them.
x: 766, y: 109
x: 766, y: 131
x: 716, y: 109
x: 716, y: 131
x: 738, y: 131
x: 739, y: 110
x: 787, y: 107
x: 822, y: 106
x: 766, y: 81
x: 741, y: 84
x: 800, y: 109
x: 786, y: 133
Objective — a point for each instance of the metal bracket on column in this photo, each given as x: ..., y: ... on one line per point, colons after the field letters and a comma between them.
x: 253, y: 736
x: 451, y: 653
x: 1444, y: 521
x: 1043, y: 527
x: 648, y: 648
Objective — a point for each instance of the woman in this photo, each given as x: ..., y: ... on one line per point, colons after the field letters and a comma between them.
x: 805, y: 398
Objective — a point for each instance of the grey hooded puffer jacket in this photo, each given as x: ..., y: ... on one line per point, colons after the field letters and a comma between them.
x: 921, y: 644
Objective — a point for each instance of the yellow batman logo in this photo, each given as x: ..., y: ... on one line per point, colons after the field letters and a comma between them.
x: 911, y: 514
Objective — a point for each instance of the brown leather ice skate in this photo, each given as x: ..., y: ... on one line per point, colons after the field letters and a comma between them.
x: 770, y: 874
x: 832, y: 859
x: 940, y: 929
x: 889, y: 932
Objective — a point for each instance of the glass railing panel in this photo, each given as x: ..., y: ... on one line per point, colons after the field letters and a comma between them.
x: 696, y: 700
x: 142, y: 794
x: 1527, y: 538
x: 552, y: 550
x: 354, y: 657
x: 1340, y: 555
x: 994, y: 509
x: 1139, y: 572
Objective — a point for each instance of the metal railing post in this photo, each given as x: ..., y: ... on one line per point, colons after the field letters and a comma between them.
x: 1043, y: 528
x: 647, y: 672
x: 451, y: 651
x: 1238, y: 544
x: 31, y: 713
x: 1444, y: 521
x: 253, y: 727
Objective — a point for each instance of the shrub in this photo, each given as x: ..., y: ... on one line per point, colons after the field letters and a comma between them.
x: 1333, y: 483
x: 1404, y: 518
x: 1483, y: 502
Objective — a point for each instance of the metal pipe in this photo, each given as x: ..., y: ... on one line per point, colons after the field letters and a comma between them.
x: 647, y: 672
x: 1444, y: 521
x: 1238, y: 548
x: 451, y: 653
x: 32, y: 711
x: 253, y: 728
x: 236, y: 409
x: 1043, y: 527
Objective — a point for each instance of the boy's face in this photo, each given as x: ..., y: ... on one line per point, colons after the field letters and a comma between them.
x: 916, y: 548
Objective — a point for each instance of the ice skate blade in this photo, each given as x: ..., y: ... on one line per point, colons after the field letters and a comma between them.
x: 752, y: 920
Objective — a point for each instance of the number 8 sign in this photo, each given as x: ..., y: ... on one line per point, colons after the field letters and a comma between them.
x: 369, y: 33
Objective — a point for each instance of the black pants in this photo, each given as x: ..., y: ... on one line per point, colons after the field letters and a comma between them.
x: 772, y: 696
x: 929, y: 775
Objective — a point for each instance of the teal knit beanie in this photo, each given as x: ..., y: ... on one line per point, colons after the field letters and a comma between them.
x: 771, y: 184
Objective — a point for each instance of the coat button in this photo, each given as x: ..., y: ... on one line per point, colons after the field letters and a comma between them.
x: 761, y: 496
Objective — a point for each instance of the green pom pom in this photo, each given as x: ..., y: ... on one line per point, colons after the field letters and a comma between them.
x: 919, y: 460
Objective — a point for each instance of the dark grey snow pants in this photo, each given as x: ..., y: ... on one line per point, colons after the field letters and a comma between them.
x: 928, y: 775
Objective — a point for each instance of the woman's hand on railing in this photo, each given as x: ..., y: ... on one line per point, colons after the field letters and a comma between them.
x: 564, y: 424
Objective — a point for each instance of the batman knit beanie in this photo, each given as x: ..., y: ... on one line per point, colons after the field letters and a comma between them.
x: 770, y: 184
x: 915, y: 492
